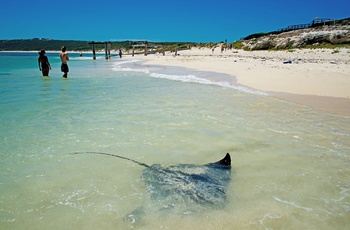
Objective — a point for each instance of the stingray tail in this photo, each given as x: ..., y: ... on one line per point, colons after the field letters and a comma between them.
x: 113, y: 155
x: 223, y: 163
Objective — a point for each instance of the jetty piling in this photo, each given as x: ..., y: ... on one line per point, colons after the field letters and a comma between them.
x: 106, y: 52
x: 146, y: 50
x: 93, y: 51
x: 107, y: 49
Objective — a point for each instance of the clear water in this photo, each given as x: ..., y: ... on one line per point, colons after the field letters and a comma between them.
x: 290, y: 163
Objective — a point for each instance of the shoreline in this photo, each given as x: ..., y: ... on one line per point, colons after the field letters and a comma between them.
x: 317, y: 78
x: 336, y: 105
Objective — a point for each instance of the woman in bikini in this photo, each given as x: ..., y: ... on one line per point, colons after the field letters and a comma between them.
x: 43, y: 63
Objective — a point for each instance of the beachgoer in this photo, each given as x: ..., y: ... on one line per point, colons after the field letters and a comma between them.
x: 64, y: 58
x: 120, y: 53
x: 44, y: 64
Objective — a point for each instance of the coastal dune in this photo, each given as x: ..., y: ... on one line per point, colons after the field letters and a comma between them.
x: 315, y: 77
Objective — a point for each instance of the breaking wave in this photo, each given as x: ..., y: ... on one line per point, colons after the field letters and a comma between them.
x: 189, y: 78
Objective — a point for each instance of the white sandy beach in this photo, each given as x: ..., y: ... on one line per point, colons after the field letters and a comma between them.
x: 316, y: 77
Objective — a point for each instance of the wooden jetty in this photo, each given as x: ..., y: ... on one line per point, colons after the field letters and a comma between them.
x: 147, y: 45
x: 107, y: 49
x: 134, y: 44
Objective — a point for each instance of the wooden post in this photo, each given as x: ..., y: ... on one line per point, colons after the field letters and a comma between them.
x: 146, y: 51
x: 93, y: 51
x: 109, y: 50
x: 133, y: 49
x: 106, y: 55
x: 176, y: 50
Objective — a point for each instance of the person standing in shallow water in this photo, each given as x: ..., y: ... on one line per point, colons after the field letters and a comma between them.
x: 64, y: 58
x: 44, y: 64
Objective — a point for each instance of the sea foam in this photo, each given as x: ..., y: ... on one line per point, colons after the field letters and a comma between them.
x: 187, y: 78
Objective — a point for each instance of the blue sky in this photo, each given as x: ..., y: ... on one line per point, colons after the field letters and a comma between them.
x: 158, y: 20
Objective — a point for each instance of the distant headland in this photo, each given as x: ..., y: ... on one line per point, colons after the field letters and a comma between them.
x: 319, y: 33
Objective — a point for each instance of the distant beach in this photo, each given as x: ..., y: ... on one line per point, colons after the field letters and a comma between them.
x: 319, y: 78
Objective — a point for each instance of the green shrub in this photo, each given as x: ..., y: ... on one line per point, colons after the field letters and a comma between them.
x: 237, y: 45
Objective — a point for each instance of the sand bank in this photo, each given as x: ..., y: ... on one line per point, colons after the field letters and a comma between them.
x: 316, y: 77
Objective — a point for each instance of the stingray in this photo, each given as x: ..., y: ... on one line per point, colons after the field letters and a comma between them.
x: 183, y: 187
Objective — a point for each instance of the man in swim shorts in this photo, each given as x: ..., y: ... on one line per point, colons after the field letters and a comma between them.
x: 64, y: 58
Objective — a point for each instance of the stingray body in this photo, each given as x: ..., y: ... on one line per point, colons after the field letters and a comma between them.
x: 189, y: 184
x: 183, y: 186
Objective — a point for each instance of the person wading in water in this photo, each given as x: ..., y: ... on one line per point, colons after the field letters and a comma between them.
x: 44, y: 64
x: 64, y: 58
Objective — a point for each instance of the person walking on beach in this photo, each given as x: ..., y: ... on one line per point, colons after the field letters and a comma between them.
x: 64, y: 58
x: 120, y: 53
x: 44, y: 64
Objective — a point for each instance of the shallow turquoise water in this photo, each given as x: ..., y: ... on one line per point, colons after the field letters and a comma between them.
x: 290, y: 162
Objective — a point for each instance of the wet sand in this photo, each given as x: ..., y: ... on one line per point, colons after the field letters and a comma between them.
x: 331, y: 104
x: 319, y: 78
